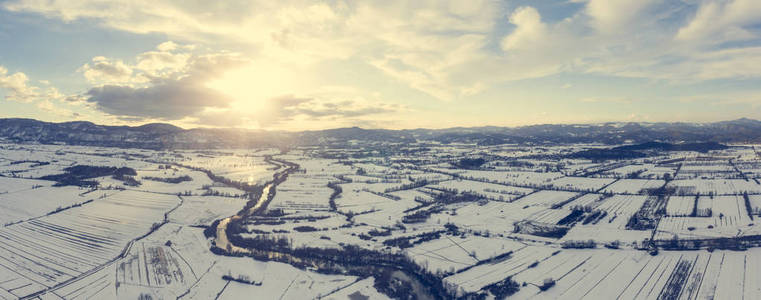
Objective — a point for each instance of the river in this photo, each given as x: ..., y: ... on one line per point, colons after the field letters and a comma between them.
x: 221, y: 241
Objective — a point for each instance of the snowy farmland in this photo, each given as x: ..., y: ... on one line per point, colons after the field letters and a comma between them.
x: 309, y: 223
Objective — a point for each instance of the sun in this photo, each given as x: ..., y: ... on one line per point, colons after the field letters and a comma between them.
x: 251, y: 86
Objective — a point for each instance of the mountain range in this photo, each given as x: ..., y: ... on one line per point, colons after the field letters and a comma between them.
x: 167, y: 136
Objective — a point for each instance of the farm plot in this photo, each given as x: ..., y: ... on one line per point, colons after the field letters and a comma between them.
x: 523, y: 179
x: 363, y: 289
x: 202, y: 210
x: 715, y: 186
x: 149, y: 266
x: 185, y: 245
x: 731, y: 281
x: 241, y: 168
x: 586, y: 202
x: 282, y: 282
x: 494, y: 216
x: 480, y: 276
x: 58, y: 247
x: 98, y: 285
x: 619, y: 209
x: 415, y: 195
x: 703, y: 170
x: 32, y: 169
x: 615, y: 213
x: 633, y: 186
x: 727, y: 216
x: 287, y: 223
x: 658, y: 172
x: 549, y: 216
x: 602, y: 233
x: 705, y: 206
x: 303, y: 192
x: 607, y: 278
x: 185, y: 261
x: 575, y: 166
x: 308, y: 190
x: 580, y: 183
x: 680, y: 206
x: 545, y: 198
x: 22, y: 205
x: 12, y: 185
x: 730, y: 211
x: 197, y: 180
x: 428, y: 176
x: 452, y: 253
x: 358, y: 201
x: 727, y: 275
x: 271, y: 280
x: 385, y: 213
x: 375, y: 170
x: 624, y: 171
x: 752, y: 275
x: 490, y: 190
x: 592, y: 274
x: 554, y: 267
x: 691, y: 228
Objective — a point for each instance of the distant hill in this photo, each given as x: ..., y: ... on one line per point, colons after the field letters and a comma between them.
x: 664, y: 136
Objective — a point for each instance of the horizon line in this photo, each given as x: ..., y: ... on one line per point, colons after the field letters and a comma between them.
x: 380, y: 128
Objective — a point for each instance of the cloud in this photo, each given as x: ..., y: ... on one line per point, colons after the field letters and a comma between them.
x: 179, y: 94
x: 16, y: 85
x: 168, y: 57
x: 286, y: 108
x: 292, y: 112
x: 18, y: 88
x: 722, y: 21
x: 435, y: 39
x: 611, y: 16
x: 528, y: 32
x: 167, y: 46
x: 102, y: 69
x: 168, y: 100
x: 450, y: 50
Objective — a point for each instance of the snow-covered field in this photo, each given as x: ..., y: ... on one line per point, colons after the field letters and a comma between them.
x: 558, y: 227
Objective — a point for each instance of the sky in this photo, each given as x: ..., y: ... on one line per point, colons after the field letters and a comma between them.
x: 305, y: 65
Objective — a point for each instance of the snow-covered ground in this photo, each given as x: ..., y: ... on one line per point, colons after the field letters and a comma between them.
x: 521, y: 215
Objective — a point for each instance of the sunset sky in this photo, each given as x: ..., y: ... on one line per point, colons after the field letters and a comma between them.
x: 295, y: 65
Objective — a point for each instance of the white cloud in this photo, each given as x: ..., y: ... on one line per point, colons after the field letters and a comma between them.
x: 18, y: 88
x: 433, y: 37
x: 722, y: 21
x: 530, y: 32
x: 46, y: 98
x: 103, y: 70
x: 288, y: 109
x: 167, y: 87
x: 167, y: 46
x: 157, y: 63
x: 446, y: 49
x: 612, y: 16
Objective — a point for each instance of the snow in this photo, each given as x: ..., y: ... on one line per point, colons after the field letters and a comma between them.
x: 98, y: 244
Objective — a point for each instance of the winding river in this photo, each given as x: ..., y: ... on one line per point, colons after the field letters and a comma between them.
x: 265, y: 197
